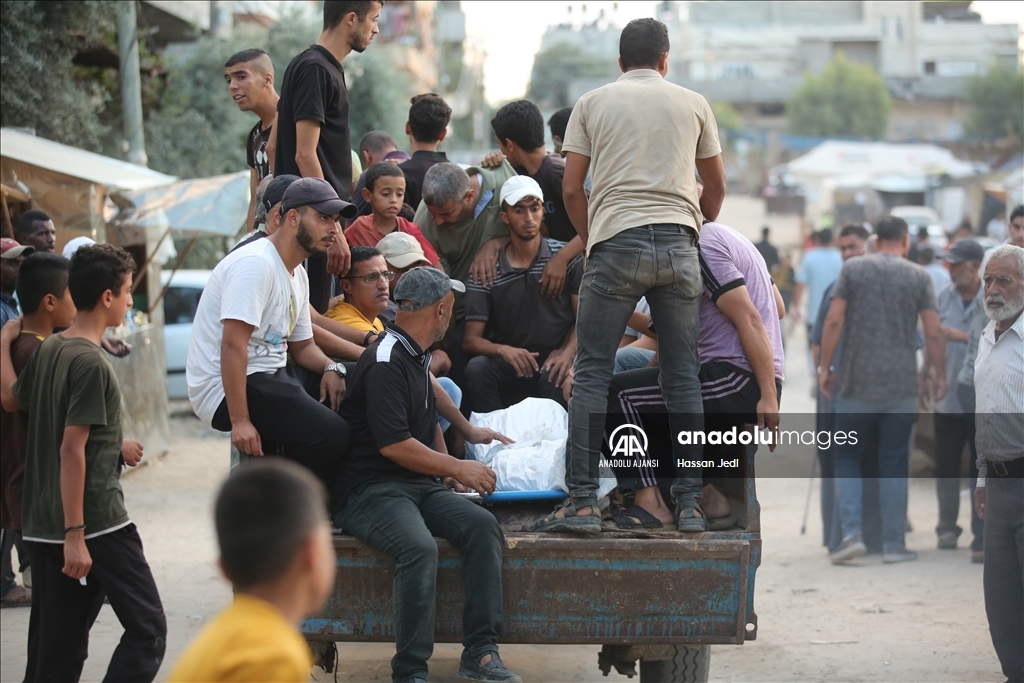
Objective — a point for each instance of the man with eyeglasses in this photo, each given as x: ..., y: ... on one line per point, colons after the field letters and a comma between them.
x: 366, y: 294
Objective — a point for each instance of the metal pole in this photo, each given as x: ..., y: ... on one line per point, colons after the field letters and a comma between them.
x: 131, y: 84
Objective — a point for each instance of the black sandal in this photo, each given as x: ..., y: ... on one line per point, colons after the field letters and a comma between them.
x: 572, y: 522
x: 635, y: 517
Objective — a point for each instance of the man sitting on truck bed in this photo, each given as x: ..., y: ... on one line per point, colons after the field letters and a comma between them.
x: 391, y: 500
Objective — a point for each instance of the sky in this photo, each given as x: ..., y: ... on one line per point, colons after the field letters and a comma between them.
x: 509, y: 32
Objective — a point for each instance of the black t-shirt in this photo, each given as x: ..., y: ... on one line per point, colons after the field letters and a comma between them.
x: 314, y: 89
x: 256, y: 150
x: 549, y: 177
x: 414, y: 170
x: 389, y: 399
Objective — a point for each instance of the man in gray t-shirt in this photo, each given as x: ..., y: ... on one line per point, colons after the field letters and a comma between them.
x: 875, y: 306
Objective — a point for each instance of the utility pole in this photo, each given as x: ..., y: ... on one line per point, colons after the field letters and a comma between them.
x: 131, y: 84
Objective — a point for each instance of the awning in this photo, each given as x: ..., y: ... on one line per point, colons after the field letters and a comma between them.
x: 204, y: 206
x: 112, y: 174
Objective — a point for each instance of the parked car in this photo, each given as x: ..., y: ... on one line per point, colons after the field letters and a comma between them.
x: 923, y: 218
x: 180, y: 303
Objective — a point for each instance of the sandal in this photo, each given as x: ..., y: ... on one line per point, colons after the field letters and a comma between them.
x: 691, y: 518
x: 722, y: 523
x: 572, y: 522
x: 635, y: 517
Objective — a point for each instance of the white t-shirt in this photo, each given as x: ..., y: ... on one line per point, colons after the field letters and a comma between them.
x: 253, y: 285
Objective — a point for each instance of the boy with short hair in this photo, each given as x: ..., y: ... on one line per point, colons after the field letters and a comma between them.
x: 43, y: 291
x: 275, y: 549
x: 427, y: 126
x: 384, y: 191
x: 84, y: 544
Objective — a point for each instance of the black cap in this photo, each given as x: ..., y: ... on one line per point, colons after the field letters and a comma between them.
x: 317, y: 193
x: 965, y: 250
x: 274, y: 192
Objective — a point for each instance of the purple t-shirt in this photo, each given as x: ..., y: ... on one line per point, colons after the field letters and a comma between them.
x: 729, y: 260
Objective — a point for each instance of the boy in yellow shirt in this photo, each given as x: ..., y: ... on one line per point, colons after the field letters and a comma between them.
x: 275, y: 549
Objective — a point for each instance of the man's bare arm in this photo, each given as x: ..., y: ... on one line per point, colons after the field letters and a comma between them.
x: 250, y: 216
x: 336, y: 347
x: 341, y: 330
x: 77, y: 561
x: 830, y: 336
x: 712, y: 174
x: 234, y: 362
x: 307, y: 137
x: 935, y: 346
x: 738, y: 307
x: 413, y: 455
x: 574, y: 194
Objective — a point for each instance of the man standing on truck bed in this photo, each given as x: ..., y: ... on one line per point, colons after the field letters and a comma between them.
x: 390, y: 497
x: 643, y: 135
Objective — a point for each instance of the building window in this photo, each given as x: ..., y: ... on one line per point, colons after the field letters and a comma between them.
x: 954, y: 68
x: 885, y: 27
x: 929, y: 68
x: 899, y: 28
x: 737, y: 71
x: 771, y: 109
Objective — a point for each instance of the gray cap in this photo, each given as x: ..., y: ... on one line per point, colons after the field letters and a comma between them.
x: 317, y: 193
x: 424, y: 286
x: 274, y: 194
x: 965, y: 250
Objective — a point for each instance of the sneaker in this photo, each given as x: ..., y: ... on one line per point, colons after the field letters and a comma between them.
x: 947, y: 540
x: 26, y: 577
x: 898, y: 554
x: 493, y: 670
x: 851, y: 547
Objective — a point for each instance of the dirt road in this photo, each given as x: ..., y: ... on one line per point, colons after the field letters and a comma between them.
x: 918, y: 621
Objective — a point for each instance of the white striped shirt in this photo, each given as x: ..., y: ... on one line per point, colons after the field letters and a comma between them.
x: 999, y: 384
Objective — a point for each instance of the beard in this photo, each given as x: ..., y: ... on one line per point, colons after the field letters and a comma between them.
x: 306, y: 240
x: 999, y: 309
x: 359, y: 44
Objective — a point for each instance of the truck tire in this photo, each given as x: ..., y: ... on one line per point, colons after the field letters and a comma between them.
x: 687, y: 665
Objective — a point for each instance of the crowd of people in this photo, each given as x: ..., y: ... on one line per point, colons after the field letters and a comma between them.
x: 344, y: 360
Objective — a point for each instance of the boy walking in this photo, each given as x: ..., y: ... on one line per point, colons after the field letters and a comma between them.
x: 384, y: 191
x: 275, y: 549
x: 84, y: 544
x: 43, y: 292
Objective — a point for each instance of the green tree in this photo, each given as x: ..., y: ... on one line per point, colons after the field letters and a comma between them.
x: 557, y: 67
x: 379, y: 95
x: 726, y: 116
x: 994, y: 101
x: 42, y: 87
x: 847, y: 100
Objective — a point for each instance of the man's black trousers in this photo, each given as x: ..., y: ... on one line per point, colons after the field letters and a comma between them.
x: 284, y: 408
x: 1004, y: 570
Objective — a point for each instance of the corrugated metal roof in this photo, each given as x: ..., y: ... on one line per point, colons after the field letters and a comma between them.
x: 112, y: 174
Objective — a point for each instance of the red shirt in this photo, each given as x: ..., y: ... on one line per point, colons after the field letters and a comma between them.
x: 13, y: 437
x: 362, y: 234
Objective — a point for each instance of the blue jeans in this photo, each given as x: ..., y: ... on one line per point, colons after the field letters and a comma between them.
x: 632, y: 358
x: 454, y: 393
x: 891, y: 420
x: 659, y: 261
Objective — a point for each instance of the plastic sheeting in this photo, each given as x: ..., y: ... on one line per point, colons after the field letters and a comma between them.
x: 536, y: 461
x: 204, y: 206
x: 142, y: 374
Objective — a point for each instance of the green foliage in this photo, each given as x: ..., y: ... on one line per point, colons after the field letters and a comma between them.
x: 727, y: 117
x: 42, y: 89
x: 994, y: 101
x: 555, y: 68
x: 378, y: 95
x: 846, y: 100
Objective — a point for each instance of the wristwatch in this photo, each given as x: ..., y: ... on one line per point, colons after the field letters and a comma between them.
x: 336, y: 367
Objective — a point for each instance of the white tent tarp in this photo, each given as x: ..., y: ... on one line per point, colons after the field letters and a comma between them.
x: 203, y: 206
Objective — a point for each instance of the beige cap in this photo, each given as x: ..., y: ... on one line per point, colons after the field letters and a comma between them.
x: 401, y: 250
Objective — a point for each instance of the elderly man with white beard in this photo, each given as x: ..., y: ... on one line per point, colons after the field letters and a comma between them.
x: 999, y: 497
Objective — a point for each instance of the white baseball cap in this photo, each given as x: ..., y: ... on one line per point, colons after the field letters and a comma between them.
x: 519, y: 186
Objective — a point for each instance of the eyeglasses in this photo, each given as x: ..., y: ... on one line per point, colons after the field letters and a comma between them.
x: 371, y: 278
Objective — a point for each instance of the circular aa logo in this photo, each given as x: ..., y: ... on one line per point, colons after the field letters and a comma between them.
x: 628, y: 441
